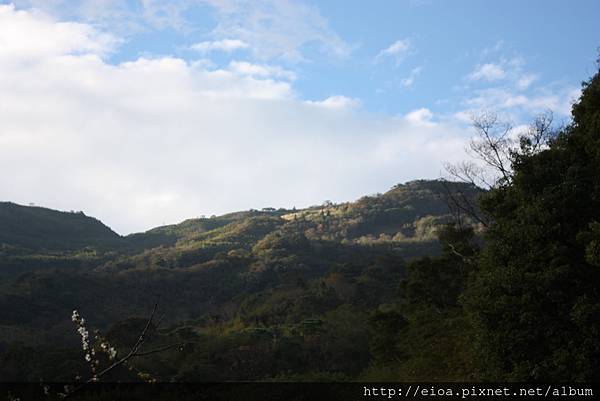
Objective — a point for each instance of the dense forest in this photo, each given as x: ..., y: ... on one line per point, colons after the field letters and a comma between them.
x: 432, y: 280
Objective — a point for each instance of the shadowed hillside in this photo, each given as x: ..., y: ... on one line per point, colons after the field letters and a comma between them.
x: 39, y: 228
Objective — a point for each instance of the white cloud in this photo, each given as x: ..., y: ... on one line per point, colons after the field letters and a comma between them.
x: 336, y: 102
x: 27, y: 35
x: 277, y: 29
x: 410, y: 79
x: 261, y: 70
x: 509, y: 89
x: 397, y: 51
x: 525, y: 81
x: 225, y: 45
x: 516, y: 103
x: 271, y: 29
x: 420, y: 116
x: 509, y: 70
x: 488, y: 72
x: 156, y: 141
x: 463, y: 116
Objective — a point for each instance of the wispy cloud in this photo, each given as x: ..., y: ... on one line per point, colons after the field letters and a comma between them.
x: 488, y: 72
x: 278, y: 29
x: 397, y: 51
x: 503, y: 83
x: 224, y: 45
x: 496, y: 48
x: 410, y: 79
x: 515, y: 103
x: 122, y: 17
x: 498, y: 67
x: 525, y: 80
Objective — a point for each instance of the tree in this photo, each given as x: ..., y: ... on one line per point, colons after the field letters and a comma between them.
x: 494, y: 150
x: 437, y: 282
x: 534, y: 300
x: 425, y: 336
x: 385, y: 326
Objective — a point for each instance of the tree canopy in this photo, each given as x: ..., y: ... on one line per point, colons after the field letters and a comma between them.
x: 535, y: 298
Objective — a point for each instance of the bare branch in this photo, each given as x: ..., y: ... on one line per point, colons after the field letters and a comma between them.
x: 493, y: 143
x: 468, y: 172
x: 160, y: 349
x: 458, y: 203
x: 537, y: 136
x: 494, y: 151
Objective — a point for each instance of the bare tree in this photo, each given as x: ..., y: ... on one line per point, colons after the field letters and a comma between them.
x: 537, y: 137
x: 494, y: 149
x: 462, y: 206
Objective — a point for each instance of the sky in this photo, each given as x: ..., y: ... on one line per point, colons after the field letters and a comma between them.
x: 144, y: 112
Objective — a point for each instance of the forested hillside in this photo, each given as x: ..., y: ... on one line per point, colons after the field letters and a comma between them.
x: 227, y: 282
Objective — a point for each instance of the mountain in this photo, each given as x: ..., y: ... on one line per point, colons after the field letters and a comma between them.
x: 268, y: 281
x: 38, y: 228
x: 406, y: 216
x: 404, y: 211
x: 405, y: 219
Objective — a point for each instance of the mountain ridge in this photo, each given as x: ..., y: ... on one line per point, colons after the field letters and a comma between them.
x: 397, y: 213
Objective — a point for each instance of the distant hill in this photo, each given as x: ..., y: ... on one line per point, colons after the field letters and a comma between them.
x: 410, y: 210
x: 191, y: 228
x: 395, y: 211
x: 405, y: 217
x: 39, y: 228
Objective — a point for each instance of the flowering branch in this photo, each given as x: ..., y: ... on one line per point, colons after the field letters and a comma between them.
x: 104, y: 346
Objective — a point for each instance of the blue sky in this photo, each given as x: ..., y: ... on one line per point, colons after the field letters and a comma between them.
x: 555, y: 42
x: 147, y: 112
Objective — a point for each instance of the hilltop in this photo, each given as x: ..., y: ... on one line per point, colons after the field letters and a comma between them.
x: 39, y: 228
x: 404, y: 218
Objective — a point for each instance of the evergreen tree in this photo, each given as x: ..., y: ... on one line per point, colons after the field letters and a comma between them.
x: 535, y: 299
